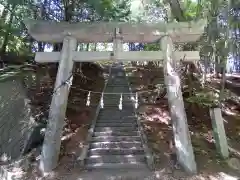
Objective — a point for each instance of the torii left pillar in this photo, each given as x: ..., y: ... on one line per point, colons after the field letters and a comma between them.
x: 52, y: 140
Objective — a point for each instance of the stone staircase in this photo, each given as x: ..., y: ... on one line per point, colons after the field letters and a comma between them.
x: 116, y: 140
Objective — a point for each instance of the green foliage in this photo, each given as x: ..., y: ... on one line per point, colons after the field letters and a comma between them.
x: 191, y: 9
x: 115, y: 10
x: 152, y: 47
x: 14, y: 38
x: 12, y: 28
x: 204, y: 98
x: 13, y: 35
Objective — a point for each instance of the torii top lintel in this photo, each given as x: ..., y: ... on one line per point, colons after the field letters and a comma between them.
x: 87, y: 32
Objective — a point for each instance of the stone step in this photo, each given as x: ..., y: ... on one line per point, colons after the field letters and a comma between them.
x: 116, y: 124
x: 115, y: 107
x: 116, y: 138
x: 125, y: 89
x: 115, y: 116
x: 116, y: 110
x: 115, y: 151
x: 118, y: 69
x: 113, y: 88
x: 114, y: 85
x: 110, y: 145
x: 126, y: 102
x: 127, y: 119
x: 116, y: 103
x: 106, y: 113
x: 118, y: 91
x: 118, y: 85
x: 125, y: 166
x: 118, y: 79
x: 131, y: 159
x: 114, y: 129
x: 117, y: 119
x: 118, y: 82
x: 117, y: 95
x: 117, y: 133
x: 119, y: 112
x: 117, y: 98
x: 116, y: 141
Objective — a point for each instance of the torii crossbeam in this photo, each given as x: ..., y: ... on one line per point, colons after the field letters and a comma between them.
x: 87, y: 32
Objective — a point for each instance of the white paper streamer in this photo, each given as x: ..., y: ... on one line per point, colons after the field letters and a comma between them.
x: 101, y: 102
x: 120, y: 103
x: 136, y: 101
x: 69, y: 81
x: 88, y: 98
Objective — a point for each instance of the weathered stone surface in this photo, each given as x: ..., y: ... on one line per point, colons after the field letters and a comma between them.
x: 182, y: 137
x: 15, y: 118
x: 52, y: 140
x: 219, y: 132
x: 234, y: 163
x: 115, y: 134
x: 104, y: 31
x: 35, y: 138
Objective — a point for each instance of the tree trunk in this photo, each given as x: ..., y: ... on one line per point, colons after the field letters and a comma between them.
x: 223, y: 82
x: 217, y: 66
x: 7, y: 33
x: 41, y: 46
x: 87, y: 47
x: 227, y: 49
x: 205, y: 71
x: 57, y: 47
x: 95, y: 46
x: 176, y: 10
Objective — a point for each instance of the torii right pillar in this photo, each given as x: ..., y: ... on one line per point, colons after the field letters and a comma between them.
x: 183, y: 145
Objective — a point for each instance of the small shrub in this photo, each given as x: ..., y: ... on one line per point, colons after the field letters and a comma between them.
x: 203, y: 98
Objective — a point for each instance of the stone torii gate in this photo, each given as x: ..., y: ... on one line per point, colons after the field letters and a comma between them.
x: 118, y: 33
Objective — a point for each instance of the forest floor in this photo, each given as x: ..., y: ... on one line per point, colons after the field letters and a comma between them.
x: 156, y: 120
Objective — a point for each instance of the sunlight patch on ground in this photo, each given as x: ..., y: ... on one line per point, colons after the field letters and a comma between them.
x: 156, y: 114
x: 16, y: 173
x: 229, y: 111
x: 223, y: 176
x: 234, y: 151
x: 4, y: 157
